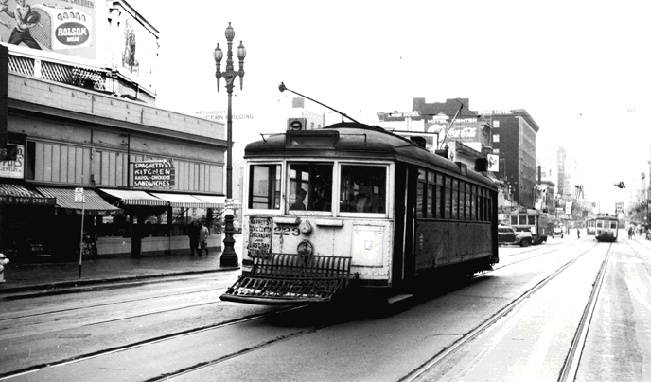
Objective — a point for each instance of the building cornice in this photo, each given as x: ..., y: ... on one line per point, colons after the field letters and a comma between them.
x: 30, y: 108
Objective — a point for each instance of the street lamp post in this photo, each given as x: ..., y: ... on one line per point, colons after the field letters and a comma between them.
x: 228, y: 256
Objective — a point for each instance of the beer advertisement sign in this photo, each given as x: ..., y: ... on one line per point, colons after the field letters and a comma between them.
x: 60, y: 26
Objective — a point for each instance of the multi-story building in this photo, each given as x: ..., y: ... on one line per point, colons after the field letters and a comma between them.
x: 514, y: 140
x: 562, y: 173
x: 79, y: 109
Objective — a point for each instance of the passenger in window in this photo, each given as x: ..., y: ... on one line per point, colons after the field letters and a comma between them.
x: 363, y: 203
x: 299, y: 202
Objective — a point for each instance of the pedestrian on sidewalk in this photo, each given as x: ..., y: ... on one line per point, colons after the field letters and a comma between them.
x: 203, y: 240
x: 194, y: 230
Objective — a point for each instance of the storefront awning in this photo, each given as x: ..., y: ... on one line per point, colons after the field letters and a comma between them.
x: 16, y: 194
x: 211, y: 201
x: 180, y: 200
x: 65, y: 198
x: 134, y: 197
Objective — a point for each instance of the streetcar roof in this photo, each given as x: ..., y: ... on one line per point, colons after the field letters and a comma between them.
x: 353, y: 140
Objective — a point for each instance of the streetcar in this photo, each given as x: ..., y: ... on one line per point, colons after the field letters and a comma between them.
x: 533, y: 221
x: 351, y: 206
x: 606, y: 228
x: 590, y: 226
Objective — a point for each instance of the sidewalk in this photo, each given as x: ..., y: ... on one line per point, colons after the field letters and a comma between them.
x: 24, y: 277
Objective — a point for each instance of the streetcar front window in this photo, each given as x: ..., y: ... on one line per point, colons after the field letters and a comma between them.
x: 363, y: 189
x: 310, y: 187
x: 264, y: 187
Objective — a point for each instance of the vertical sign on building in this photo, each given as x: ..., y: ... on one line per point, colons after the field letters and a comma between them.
x: 568, y: 207
x: 4, y: 72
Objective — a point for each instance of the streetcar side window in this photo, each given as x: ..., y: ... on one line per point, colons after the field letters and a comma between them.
x: 447, y: 192
x: 531, y: 220
x: 421, y: 206
x: 471, y: 204
x: 454, y: 194
x: 477, y: 215
x: 489, y: 216
x: 514, y: 219
x: 613, y: 225
x: 310, y: 187
x: 363, y: 189
x: 600, y: 224
x: 462, y: 200
x: 431, y: 201
x: 468, y: 204
x: 438, y: 192
x: 264, y: 187
x: 522, y: 219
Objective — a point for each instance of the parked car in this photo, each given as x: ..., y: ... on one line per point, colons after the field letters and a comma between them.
x: 508, y: 235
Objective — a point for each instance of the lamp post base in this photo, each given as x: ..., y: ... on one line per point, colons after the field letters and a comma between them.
x: 228, y: 257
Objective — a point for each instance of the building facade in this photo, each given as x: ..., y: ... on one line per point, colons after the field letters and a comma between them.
x: 90, y: 143
x: 514, y: 140
x: 156, y: 170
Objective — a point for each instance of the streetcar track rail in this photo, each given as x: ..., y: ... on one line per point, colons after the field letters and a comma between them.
x: 573, y: 358
x: 533, y: 256
x: 96, y: 285
x: 80, y: 308
x: 479, y: 329
x: 154, y: 340
x: 233, y: 355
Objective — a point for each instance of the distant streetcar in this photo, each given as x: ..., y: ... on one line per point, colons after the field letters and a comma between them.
x: 351, y: 205
x: 606, y: 228
x: 590, y: 226
x: 533, y: 221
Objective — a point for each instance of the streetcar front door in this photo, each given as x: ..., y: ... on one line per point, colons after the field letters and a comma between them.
x: 405, y: 208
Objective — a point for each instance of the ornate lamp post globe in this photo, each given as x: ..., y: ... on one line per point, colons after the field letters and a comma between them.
x: 228, y: 256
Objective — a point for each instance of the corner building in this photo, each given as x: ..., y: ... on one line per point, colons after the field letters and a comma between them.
x: 82, y: 116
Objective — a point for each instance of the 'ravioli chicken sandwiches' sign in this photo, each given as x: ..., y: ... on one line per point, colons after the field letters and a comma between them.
x: 156, y: 173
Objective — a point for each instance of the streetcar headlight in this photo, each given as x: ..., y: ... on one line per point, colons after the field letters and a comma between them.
x: 305, y: 248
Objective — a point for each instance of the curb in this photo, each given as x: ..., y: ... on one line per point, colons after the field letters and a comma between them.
x: 58, y: 285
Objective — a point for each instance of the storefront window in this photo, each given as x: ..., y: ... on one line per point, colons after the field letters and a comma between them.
x: 310, y: 187
x: 112, y: 225
x: 264, y: 187
x: 363, y: 189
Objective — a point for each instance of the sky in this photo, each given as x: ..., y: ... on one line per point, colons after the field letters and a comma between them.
x: 582, y: 69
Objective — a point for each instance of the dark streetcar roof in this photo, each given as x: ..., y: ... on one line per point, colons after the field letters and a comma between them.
x: 353, y: 140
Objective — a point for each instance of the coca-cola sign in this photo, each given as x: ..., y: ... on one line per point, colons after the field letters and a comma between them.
x: 72, y: 33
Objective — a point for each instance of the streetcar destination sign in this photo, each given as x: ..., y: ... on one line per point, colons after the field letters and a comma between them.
x: 155, y: 173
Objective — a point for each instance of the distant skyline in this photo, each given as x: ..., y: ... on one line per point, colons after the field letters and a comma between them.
x: 580, y: 68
